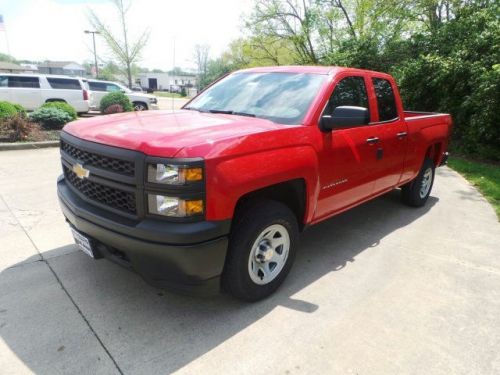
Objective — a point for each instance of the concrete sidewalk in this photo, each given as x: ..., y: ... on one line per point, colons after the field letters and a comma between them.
x: 381, y: 289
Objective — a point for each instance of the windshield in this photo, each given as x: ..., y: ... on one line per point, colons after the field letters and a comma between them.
x: 125, y: 89
x: 280, y: 97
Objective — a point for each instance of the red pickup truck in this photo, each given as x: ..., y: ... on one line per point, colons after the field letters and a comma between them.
x: 215, y: 194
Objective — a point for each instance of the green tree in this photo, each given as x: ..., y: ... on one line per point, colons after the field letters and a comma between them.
x: 457, y: 70
x: 7, y: 58
x: 201, y: 53
x: 109, y: 72
x: 125, y: 51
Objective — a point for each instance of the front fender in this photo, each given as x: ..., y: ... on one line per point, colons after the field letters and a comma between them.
x: 231, y: 178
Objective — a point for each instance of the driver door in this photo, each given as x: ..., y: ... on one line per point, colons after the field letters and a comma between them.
x: 348, y: 160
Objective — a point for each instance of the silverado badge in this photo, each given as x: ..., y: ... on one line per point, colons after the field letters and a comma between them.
x: 80, y: 171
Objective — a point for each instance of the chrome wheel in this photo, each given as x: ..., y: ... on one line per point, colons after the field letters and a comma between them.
x: 269, y: 254
x: 426, y: 183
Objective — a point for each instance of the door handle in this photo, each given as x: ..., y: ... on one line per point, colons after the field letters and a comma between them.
x: 372, y: 140
x: 401, y: 135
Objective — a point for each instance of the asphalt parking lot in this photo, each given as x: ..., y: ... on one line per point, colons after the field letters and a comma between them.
x: 381, y: 289
x: 171, y: 103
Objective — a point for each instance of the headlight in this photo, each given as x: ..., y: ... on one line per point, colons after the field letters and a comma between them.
x: 173, y: 206
x: 173, y: 174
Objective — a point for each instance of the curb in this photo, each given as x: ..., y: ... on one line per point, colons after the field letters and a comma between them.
x: 27, y: 145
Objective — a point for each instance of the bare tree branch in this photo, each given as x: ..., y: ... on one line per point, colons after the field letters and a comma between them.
x: 126, y: 54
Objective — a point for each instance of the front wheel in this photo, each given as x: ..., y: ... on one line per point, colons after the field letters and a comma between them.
x: 261, y: 250
x: 417, y: 192
x: 138, y: 106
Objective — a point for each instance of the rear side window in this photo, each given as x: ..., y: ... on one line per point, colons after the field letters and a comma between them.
x: 4, y: 81
x: 97, y: 86
x: 64, y: 83
x: 112, y: 88
x: 26, y: 82
x: 349, y: 91
x: 386, y: 102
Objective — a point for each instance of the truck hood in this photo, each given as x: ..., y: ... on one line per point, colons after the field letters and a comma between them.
x: 163, y: 133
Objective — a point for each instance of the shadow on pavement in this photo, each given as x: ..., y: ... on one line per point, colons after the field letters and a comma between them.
x: 147, y: 329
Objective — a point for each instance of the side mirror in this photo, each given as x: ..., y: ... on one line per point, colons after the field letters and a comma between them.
x: 344, y: 117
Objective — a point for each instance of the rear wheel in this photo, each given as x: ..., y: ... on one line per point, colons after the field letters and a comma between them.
x: 417, y: 192
x: 261, y: 250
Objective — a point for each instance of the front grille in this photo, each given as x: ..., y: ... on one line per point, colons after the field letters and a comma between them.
x: 100, y: 161
x: 111, y: 197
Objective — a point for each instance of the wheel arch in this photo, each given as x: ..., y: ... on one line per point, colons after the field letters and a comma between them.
x: 291, y: 193
x: 434, y: 152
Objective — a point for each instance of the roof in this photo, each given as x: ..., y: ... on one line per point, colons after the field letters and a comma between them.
x: 4, y: 65
x: 304, y: 69
x: 43, y: 75
x: 57, y: 64
x: 291, y: 69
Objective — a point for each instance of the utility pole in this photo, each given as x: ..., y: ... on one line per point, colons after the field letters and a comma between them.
x: 95, y: 51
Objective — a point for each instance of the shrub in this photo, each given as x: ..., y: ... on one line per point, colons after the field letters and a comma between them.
x: 113, y: 108
x: 62, y: 106
x: 51, y: 118
x: 7, y: 110
x: 17, y: 128
x: 20, y: 110
x: 116, y: 98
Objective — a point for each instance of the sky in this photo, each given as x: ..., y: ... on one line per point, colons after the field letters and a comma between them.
x: 54, y: 29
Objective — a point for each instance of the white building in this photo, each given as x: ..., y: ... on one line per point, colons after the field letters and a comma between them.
x: 167, y: 81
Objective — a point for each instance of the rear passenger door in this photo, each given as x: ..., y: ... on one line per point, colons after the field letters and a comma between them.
x: 392, y: 130
x: 25, y: 90
x: 98, y: 90
x: 68, y: 89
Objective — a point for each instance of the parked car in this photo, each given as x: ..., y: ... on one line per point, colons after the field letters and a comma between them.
x: 33, y: 90
x: 136, y: 88
x: 217, y: 193
x: 140, y: 101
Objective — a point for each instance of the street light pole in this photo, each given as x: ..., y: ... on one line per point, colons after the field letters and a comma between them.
x: 95, y: 51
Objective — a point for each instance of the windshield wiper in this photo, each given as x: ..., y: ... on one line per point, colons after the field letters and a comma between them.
x: 227, y: 112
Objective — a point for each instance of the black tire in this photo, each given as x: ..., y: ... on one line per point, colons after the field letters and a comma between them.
x: 249, y: 225
x: 415, y: 194
x: 139, y: 106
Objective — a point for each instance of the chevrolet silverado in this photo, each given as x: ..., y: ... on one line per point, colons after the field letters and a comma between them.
x: 215, y: 195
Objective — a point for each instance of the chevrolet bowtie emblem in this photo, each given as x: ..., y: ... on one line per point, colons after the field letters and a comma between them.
x: 80, y: 171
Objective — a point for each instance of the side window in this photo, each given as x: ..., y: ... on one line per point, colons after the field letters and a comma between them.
x: 349, y: 91
x: 386, y: 102
x: 97, y: 86
x: 4, y: 81
x: 64, y: 83
x: 112, y: 88
x: 25, y: 82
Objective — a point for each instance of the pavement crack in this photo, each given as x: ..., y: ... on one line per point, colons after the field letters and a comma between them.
x: 42, y: 259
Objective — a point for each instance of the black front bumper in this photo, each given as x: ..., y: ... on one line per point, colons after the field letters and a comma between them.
x: 181, y: 256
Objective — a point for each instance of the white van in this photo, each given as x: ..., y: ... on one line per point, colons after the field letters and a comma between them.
x: 33, y: 90
x: 140, y: 101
